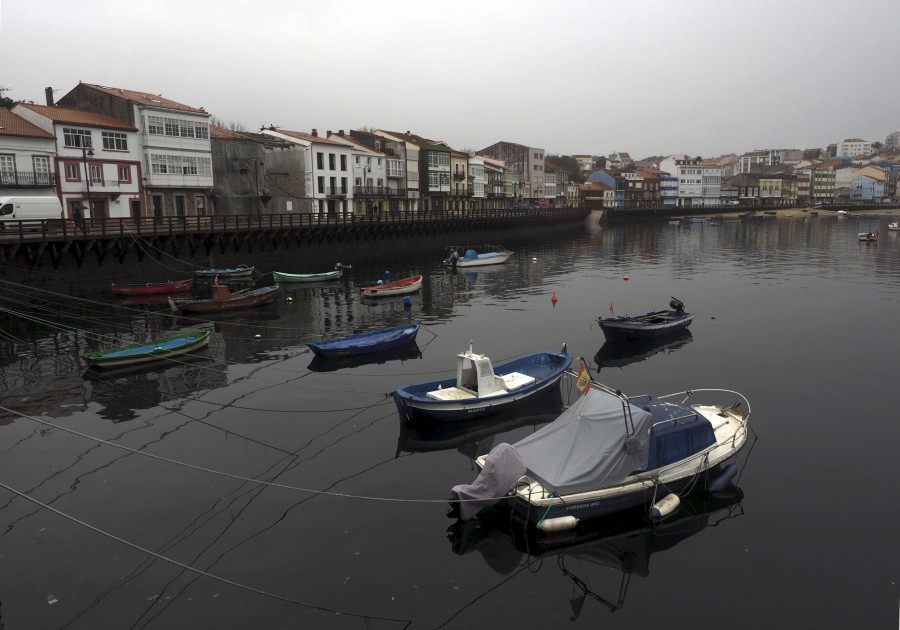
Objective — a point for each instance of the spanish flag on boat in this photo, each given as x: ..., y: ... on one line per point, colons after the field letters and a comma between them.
x: 583, y: 382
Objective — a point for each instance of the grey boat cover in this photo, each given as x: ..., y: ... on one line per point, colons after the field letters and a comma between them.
x: 502, y: 469
x: 587, y: 447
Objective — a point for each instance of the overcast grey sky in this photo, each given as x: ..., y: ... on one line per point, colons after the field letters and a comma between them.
x: 648, y: 77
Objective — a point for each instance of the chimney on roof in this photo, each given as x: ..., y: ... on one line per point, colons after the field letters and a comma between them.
x: 340, y: 132
x: 328, y: 133
x: 315, y: 132
x: 48, y: 94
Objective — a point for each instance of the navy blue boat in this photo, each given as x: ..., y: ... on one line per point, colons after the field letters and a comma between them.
x: 648, y: 326
x: 479, y: 389
x: 365, y: 343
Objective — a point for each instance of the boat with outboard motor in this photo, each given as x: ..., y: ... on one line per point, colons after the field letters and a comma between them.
x: 647, y: 326
x: 609, y: 452
x: 494, y: 255
x: 480, y: 389
x: 869, y: 237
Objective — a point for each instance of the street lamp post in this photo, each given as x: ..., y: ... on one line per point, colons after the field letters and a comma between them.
x: 86, y: 152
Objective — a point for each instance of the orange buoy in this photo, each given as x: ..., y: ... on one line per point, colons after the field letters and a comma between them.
x: 625, y: 278
x: 553, y: 299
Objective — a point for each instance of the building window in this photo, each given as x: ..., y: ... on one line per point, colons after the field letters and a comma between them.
x: 42, y: 170
x: 158, y: 164
x: 321, y: 183
x: 343, y: 162
x: 73, y: 173
x: 200, y: 202
x: 331, y: 162
x: 96, y: 174
x: 154, y: 125
x: 320, y: 160
x: 124, y: 174
x: 343, y: 185
x: 434, y: 179
x: 7, y: 169
x: 77, y: 137
x: 114, y: 141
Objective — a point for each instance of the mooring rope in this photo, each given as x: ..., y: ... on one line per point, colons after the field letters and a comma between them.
x: 188, y: 567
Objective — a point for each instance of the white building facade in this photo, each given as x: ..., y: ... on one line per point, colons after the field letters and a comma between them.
x: 97, y: 163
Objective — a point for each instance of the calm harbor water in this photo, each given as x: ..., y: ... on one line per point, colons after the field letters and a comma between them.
x: 262, y: 488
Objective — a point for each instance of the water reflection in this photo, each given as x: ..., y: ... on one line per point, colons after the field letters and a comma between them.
x: 621, y: 354
x: 585, y: 554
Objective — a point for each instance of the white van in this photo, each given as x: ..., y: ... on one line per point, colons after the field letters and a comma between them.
x: 34, y: 210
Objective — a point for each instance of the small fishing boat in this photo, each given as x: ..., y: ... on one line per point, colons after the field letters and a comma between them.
x: 224, y: 300
x: 287, y: 278
x: 365, y: 343
x: 479, y: 389
x: 647, y: 326
x: 472, y: 258
x: 403, y: 353
x: 397, y: 287
x: 893, y: 227
x: 608, y: 452
x: 151, y: 351
x: 868, y: 236
x: 152, y: 288
x: 241, y: 271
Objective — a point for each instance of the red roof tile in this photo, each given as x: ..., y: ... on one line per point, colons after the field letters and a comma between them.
x: 143, y: 98
x: 78, y: 117
x: 13, y: 125
x: 227, y: 134
x: 309, y: 137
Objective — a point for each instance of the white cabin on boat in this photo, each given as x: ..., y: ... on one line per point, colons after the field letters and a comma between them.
x: 475, y: 378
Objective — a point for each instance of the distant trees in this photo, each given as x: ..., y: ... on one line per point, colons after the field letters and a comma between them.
x: 568, y: 163
x: 232, y: 125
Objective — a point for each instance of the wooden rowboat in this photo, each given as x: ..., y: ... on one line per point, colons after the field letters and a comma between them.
x: 241, y: 271
x: 365, y: 343
x: 224, y: 300
x: 280, y: 276
x: 398, y: 287
x: 151, y: 351
x: 152, y: 288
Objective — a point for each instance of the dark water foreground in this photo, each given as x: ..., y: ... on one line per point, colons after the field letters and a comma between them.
x: 261, y: 488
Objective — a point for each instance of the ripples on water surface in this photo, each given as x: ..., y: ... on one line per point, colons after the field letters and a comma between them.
x: 793, y: 312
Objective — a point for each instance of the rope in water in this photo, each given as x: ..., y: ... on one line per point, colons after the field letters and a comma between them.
x: 187, y: 567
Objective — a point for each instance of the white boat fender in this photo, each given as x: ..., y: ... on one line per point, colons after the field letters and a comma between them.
x: 558, y: 524
x: 722, y: 480
x: 665, y: 506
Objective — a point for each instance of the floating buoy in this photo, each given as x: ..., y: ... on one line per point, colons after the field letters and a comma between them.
x: 553, y: 299
x: 665, y: 506
x: 722, y: 480
x: 257, y: 336
x: 289, y: 299
x: 534, y: 259
x: 381, y: 282
x: 557, y: 524
x: 625, y: 278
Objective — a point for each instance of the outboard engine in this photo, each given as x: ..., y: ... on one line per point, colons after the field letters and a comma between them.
x: 676, y: 305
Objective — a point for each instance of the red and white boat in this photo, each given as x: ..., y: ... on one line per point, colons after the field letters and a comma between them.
x: 397, y: 287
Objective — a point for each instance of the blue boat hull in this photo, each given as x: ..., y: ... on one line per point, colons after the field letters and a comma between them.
x: 365, y: 343
x: 546, y: 368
